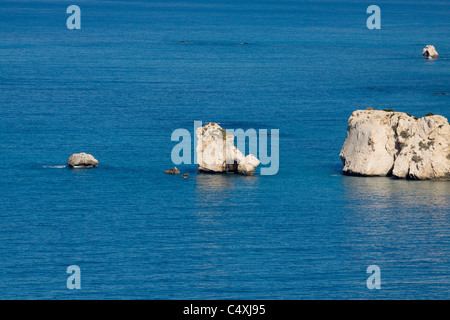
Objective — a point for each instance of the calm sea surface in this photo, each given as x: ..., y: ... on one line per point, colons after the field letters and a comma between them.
x: 118, y: 88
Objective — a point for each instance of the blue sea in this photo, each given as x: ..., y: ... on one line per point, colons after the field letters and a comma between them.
x: 138, y: 70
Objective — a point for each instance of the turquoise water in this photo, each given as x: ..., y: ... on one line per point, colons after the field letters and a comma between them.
x: 122, y: 84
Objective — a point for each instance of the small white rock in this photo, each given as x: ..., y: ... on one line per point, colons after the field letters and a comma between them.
x: 82, y: 160
x: 429, y: 52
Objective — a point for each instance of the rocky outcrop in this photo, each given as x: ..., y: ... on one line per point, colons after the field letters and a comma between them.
x: 82, y: 160
x: 216, y: 152
x: 429, y: 52
x: 172, y: 171
x: 386, y: 143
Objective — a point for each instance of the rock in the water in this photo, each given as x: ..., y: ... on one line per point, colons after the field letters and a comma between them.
x: 429, y: 52
x: 216, y: 152
x: 381, y: 143
x: 248, y: 165
x: 172, y: 171
x: 82, y: 160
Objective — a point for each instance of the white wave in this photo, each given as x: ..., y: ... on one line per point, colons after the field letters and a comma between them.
x: 54, y: 167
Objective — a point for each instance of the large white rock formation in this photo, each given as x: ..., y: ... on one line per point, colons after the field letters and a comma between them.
x: 216, y: 152
x: 381, y: 143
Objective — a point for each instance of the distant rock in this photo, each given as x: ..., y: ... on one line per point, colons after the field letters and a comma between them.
x: 381, y: 143
x: 82, y: 160
x: 172, y: 171
x: 216, y: 152
x: 429, y: 52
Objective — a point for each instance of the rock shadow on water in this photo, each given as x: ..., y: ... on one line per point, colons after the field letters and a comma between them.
x: 217, y: 194
x: 380, y: 194
x: 219, y: 188
x: 223, y: 182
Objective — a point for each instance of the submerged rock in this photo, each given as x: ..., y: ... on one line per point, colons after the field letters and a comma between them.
x: 172, y: 171
x: 429, y: 52
x: 381, y: 143
x: 82, y: 160
x: 216, y: 152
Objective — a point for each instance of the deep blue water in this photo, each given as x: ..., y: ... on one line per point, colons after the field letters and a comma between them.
x: 118, y: 88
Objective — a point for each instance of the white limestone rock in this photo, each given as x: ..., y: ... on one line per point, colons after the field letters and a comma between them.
x: 82, y: 160
x: 248, y: 165
x: 216, y: 152
x: 381, y: 143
